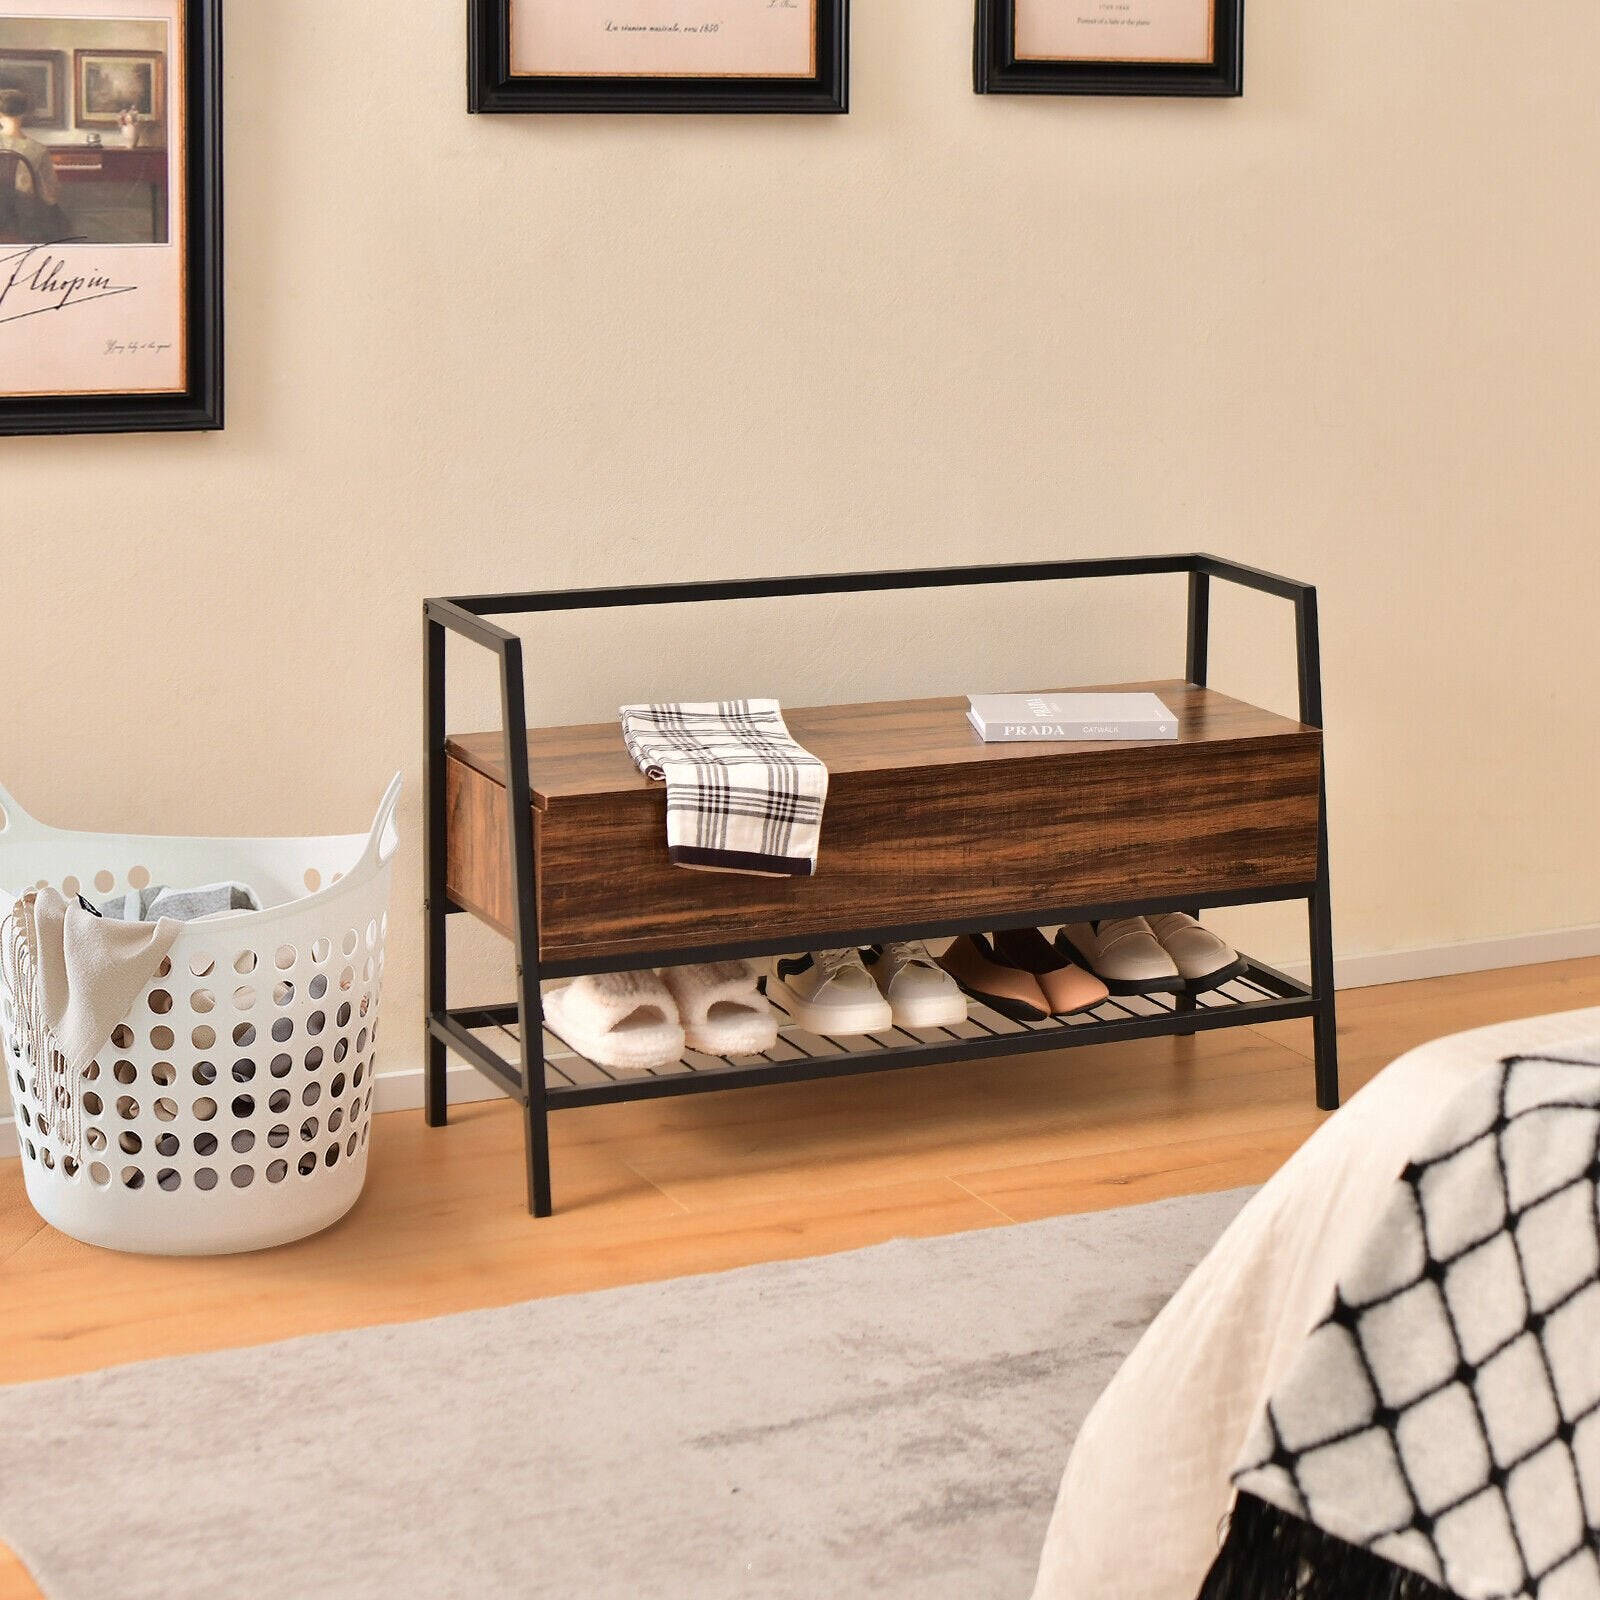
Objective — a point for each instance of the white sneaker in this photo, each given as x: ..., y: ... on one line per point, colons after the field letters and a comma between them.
x: 921, y: 994
x: 1124, y: 954
x: 1204, y: 960
x: 829, y: 992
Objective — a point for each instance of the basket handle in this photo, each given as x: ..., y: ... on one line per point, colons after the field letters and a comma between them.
x: 384, y: 838
x: 18, y: 824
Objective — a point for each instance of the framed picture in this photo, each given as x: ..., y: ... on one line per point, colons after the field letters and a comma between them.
x: 1179, y: 47
x: 42, y: 76
x: 655, y: 55
x: 111, y: 227
x: 110, y: 84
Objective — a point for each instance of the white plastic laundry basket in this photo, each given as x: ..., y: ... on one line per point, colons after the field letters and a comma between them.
x: 231, y: 1108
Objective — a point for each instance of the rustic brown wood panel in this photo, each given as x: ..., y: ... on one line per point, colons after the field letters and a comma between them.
x: 924, y: 822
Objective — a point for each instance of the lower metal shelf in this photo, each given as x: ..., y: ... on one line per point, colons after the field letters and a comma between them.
x: 1259, y: 994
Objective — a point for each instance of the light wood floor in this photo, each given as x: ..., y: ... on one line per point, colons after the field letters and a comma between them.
x: 657, y: 1189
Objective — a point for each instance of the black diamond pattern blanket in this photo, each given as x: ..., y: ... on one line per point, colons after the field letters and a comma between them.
x: 742, y: 796
x: 1439, y: 1433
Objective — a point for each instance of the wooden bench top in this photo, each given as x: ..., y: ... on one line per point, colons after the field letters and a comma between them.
x: 590, y: 760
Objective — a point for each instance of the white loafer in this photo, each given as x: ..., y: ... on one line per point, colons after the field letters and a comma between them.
x: 921, y: 994
x: 1124, y: 954
x: 1203, y: 960
x: 829, y: 992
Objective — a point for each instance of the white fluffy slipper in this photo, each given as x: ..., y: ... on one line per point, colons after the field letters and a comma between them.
x: 617, y: 1019
x: 721, y: 1011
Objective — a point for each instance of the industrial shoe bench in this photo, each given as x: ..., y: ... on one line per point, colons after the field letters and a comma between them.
x: 555, y: 839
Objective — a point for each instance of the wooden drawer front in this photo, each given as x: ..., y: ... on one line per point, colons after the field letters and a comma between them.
x: 919, y: 846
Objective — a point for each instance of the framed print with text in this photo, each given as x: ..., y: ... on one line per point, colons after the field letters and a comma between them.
x: 111, y: 217
x: 1177, y: 47
x: 658, y: 55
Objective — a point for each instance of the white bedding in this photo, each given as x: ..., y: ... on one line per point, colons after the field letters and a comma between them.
x: 1147, y: 1482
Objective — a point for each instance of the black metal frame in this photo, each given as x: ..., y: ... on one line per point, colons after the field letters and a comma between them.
x: 493, y: 87
x: 996, y: 68
x: 541, y: 1089
x: 199, y: 405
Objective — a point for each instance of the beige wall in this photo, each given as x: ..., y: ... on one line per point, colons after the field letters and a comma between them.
x: 1344, y: 328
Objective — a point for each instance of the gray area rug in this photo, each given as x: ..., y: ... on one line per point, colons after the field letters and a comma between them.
x: 891, y: 1423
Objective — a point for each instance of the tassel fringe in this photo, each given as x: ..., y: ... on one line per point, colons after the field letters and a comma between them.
x: 1270, y: 1555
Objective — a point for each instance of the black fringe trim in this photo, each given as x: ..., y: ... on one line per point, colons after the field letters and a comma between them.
x: 1269, y: 1555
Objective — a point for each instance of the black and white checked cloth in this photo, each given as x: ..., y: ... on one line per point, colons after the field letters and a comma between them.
x: 1439, y: 1432
x: 742, y: 796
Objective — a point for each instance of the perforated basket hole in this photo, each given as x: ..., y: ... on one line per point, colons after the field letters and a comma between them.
x: 204, y: 1073
x: 124, y: 1072
x: 309, y: 1129
x: 243, y: 1142
x: 166, y: 1109
x: 205, y: 1178
x: 205, y: 1144
x: 244, y: 998
x: 278, y: 1136
x: 350, y: 1145
x: 321, y: 949
x: 318, y: 986
x: 286, y: 957
x: 279, y: 1101
x: 127, y: 1107
x: 129, y: 1143
x: 307, y: 1164
x: 244, y: 1105
x: 203, y: 1001
x: 347, y: 979
x: 70, y: 887
x: 105, y: 882
x: 168, y: 1179
x: 138, y: 877
x: 332, y: 1156
x: 316, y: 1022
x: 277, y: 1171
x: 341, y: 1050
x: 314, y: 1058
x: 243, y: 1176
x: 335, y: 1120
x: 132, y: 1178
x: 205, y: 1108
x: 202, y: 964
x: 282, y: 1030
x: 159, y: 1001
x: 244, y: 1070
x: 95, y: 1138
x: 342, y: 1016
x: 281, y: 1066
x: 336, y: 1088
x: 311, y: 1094
x: 92, y: 1103
x: 99, y: 1174
x: 167, y: 1144
x: 372, y: 934
x: 312, y: 879
x: 351, y: 942
x: 163, y: 1074
x: 203, y: 1037
x: 69, y: 1166
x: 122, y: 1036
x: 162, y: 1038
x: 283, y: 993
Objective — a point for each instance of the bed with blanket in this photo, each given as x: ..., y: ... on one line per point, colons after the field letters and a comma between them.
x: 1387, y: 1358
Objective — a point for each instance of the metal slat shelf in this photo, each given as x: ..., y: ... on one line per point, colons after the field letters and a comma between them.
x: 1259, y: 994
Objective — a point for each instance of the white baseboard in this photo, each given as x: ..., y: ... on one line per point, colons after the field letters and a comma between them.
x: 401, y: 1090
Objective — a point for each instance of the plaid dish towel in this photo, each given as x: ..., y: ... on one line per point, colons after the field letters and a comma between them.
x: 742, y: 796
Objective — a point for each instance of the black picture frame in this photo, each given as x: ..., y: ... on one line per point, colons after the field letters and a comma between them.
x: 492, y: 87
x: 997, y: 70
x: 199, y: 404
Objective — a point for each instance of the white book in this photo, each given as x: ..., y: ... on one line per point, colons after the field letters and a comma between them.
x: 1007, y: 717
